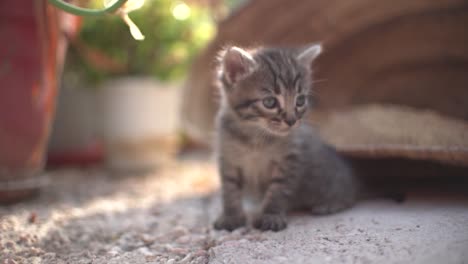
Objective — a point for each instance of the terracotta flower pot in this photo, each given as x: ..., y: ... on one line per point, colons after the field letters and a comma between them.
x: 31, y: 56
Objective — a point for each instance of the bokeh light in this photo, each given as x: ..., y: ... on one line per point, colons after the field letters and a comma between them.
x: 181, y: 11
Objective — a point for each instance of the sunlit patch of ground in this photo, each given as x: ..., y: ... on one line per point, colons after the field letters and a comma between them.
x: 95, y: 216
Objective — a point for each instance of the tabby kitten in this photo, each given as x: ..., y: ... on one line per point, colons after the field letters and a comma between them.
x: 265, y: 150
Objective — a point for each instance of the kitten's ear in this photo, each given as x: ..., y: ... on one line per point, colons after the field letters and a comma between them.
x: 309, y: 54
x: 236, y: 64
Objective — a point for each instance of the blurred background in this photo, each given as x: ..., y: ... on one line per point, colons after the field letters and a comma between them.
x: 120, y: 98
x: 107, y: 108
x: 97, y: 90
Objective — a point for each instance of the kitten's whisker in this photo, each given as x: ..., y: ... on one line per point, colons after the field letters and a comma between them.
x: 262, y: 137
x: 319, y: 81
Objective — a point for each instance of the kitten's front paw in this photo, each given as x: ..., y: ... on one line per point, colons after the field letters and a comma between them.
x: 229, y: 222
x: 275, y: 222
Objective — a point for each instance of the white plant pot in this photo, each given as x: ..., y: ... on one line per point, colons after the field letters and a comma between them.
x: 139, y: 122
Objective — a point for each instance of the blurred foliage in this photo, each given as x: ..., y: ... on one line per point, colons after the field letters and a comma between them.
x: 174, y: 31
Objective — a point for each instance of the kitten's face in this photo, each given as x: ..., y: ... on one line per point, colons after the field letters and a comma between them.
x: 269, y: 88
x: 273, y: 100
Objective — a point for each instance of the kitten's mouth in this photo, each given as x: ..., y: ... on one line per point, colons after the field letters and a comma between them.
x: 275, y: 128
x: 279, y: 128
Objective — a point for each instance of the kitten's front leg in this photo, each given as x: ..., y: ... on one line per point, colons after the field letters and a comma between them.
x: 275, y: 203
x: 233, y: 215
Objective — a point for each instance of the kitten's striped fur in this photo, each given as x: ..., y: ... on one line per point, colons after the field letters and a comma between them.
x: 267, y: 152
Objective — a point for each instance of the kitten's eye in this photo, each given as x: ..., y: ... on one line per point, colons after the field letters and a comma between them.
x: 269, y: 102
x: 300, y: 100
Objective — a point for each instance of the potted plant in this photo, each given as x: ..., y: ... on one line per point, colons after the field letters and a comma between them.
x: 137, y: 82
x: 73, y: 140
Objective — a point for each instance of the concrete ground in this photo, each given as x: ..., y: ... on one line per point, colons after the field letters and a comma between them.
x: 95, y: 216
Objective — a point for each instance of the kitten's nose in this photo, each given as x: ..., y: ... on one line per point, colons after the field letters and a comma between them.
x: 290, y: 121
